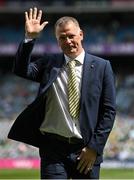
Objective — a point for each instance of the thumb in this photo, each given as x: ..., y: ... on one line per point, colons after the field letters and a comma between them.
x: 81, y: 154
x: 44, y: 24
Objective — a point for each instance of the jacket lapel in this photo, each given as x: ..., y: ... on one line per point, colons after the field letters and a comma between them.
x: 55, y: 71
x: 87, y: 77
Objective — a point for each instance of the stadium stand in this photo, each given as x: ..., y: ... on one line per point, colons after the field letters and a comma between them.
x: 109, y: 32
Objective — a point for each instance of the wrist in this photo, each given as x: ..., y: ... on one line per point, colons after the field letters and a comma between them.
x: 31, y: 36
x: 26, y: 40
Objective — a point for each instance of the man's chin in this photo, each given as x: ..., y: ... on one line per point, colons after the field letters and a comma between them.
x: 72, y: 55
x: 72, y: 51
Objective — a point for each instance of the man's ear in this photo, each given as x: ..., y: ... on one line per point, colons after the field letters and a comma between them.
x: 81, y: 34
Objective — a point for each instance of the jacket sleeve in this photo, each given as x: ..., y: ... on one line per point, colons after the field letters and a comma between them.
x: 107, y: 111
x: 25, y: 67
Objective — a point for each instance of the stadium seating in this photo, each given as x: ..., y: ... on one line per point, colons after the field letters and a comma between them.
x: 108, y: 31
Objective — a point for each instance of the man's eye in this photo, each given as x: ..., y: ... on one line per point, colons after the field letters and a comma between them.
x: 62, y: 38
x: 71, y: 36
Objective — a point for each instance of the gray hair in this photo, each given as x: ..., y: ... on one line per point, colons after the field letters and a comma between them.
x: 66, y: 19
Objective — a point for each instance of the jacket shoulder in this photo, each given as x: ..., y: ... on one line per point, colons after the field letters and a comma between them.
x: 97, y: 59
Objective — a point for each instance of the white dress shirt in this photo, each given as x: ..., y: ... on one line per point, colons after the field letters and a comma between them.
x: 57, y: 118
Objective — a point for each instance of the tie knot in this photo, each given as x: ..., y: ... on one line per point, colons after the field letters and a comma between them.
x: 72, y: 63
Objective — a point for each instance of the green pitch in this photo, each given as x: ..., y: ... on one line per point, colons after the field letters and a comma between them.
x: 34, y: 174
x: 19, y: 174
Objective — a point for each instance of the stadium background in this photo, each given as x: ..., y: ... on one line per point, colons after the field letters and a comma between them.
x: 108, y: 27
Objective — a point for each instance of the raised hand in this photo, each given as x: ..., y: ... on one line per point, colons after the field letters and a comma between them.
x: 33, y: 25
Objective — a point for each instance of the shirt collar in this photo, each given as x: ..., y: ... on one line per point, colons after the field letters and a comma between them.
x: 79, y: 58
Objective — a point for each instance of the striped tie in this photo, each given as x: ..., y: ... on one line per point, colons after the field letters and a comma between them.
x: 73, y: 93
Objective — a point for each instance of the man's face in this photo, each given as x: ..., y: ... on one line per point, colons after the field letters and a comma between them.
x: 69, y: 38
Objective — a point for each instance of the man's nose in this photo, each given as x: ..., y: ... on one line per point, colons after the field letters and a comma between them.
x: 68, y: 40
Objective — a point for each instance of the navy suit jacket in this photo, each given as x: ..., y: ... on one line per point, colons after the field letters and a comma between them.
x: 97, y: 103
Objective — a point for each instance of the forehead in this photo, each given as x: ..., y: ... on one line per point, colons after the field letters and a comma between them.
x: 69, y: 27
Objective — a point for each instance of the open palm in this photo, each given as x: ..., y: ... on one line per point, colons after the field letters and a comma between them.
x: 33, y: 25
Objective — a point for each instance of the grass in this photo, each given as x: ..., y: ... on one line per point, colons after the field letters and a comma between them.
x: 117, y: 173
x: 19, y: 174
x: 34, y: 174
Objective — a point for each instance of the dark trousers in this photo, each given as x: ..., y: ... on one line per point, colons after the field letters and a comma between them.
x: 59, y: 161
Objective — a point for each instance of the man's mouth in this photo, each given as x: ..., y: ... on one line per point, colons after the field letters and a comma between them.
x: 71, y: 47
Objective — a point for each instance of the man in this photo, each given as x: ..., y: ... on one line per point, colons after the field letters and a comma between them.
x: 74, y: 112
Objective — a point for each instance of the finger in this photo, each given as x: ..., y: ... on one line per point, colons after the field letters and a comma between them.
x: 35, y: 13
x: 81, y: 162
x: 44, y: 24
x: 26, y: 16
x: 84, y: 165
x: 81, y: 154
x: 39, y: 15
x: 79, y: 157
x: 88, y: 168
x: 30, y: 13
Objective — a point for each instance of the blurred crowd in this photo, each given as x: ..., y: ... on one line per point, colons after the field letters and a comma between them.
x: 17, y: 93
x: 104, y: 33
x: 61, y: 2
x: 47, y: 2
